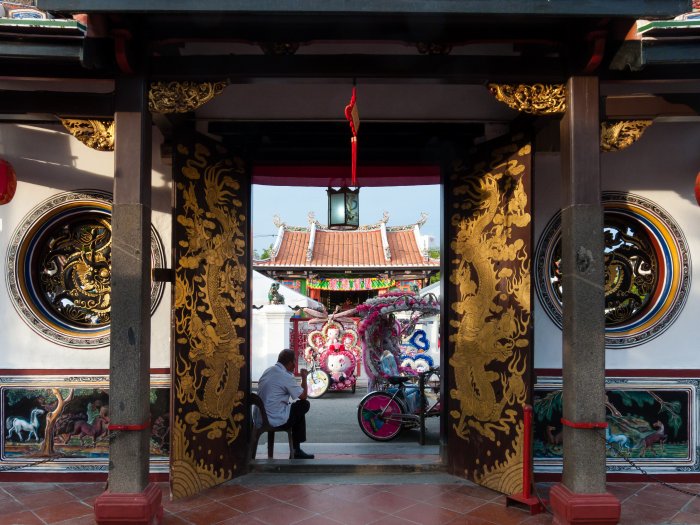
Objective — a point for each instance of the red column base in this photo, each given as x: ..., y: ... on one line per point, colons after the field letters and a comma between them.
x: 571, y: 508
x: 143, y: 508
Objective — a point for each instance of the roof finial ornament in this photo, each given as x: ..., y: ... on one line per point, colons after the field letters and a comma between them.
x: 423, y: 218
x: 385, y: 217
x: 311, y: 217
x: 277, y: 221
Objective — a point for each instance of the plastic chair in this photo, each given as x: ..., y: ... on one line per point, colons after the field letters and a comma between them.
x: 255, y: 401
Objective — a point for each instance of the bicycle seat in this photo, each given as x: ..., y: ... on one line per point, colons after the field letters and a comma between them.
x: 397, y: 380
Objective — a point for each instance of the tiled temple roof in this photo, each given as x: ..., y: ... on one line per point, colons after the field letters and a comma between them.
x: 373, y: 246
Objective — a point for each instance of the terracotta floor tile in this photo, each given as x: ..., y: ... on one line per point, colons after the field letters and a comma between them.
x: 499, y: 513
x: 317, y: 519
x: 640, y: 514
x: 249, y: 502
x: 241, y: 519
x: 9, y: 506
x: 421, y: 492
x: 354, y: 514
x: 84, y: 490
x: 318, y: 502
x: 83, y: 520
x: 209, y: 514
x: 70, y: 509
x: 386, y: 502
x: 45, y: 499
x: 281, y: 514
x: 351, y: 492
x: 456, y: 501
x: 24, y: 517
x: 172, y: 519
x: 686, y: 518
x: 28, y: 488
x: 394, y: 520
x: 287, y: 492
x: 188, y: 503
x: 427, y: 514
x: 466, y: 519
x: 226, y: 491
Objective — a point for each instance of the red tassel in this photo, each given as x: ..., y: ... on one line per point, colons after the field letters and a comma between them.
x: 353, y: 117
x: 353, y: 142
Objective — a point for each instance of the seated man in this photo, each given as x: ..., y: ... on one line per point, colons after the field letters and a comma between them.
x: 276, y: 387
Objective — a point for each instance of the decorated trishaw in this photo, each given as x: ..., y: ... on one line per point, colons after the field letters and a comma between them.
x: 333, y: 355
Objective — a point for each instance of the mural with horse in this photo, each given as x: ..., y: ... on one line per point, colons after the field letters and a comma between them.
x: 650, y: 422
x: 69, y: 423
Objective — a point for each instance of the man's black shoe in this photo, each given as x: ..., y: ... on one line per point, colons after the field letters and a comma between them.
x: 300, y: 454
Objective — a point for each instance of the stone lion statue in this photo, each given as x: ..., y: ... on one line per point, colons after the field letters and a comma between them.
x: 274, y: 295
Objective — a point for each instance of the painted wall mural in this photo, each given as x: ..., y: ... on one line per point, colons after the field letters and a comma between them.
x: 489, y: 352
x: 59, y: 268
x: 652, y: 423
x: 56, y: 423
x: 648, y: 270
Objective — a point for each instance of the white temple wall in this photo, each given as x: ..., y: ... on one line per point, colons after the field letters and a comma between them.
x: 48, y: 161
x: 662, y: 167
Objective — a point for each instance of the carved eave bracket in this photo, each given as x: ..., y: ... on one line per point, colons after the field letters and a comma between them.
x: 618, y: 135
x: 536, y: 99
x: 95, y: 134
x: 182, y: 97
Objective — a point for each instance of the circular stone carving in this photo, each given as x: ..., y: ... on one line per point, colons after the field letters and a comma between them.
x: 647, y: 269
x: 59, y: 269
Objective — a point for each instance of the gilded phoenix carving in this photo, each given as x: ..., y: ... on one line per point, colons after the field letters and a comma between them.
x: 615, y: 136
x: 181, y: 97
x: 95, y: 134
x: 537, y: 99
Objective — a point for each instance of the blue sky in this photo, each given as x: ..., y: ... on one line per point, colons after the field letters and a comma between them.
x: 292, y: 204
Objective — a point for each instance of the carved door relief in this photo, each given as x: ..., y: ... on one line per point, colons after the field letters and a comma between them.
x: 211, y: 332
x: 488, y: 303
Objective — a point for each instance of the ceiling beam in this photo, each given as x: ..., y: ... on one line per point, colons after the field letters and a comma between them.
x: 77, y: 105
x: 631, y: 8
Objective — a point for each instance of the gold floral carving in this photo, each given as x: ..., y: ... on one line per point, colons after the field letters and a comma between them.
x: 615, y: 136
x: 95, y: 134
x: 537, y: 99
x: 181, y: 97
x: 491, y: 320
x: 209, y: 295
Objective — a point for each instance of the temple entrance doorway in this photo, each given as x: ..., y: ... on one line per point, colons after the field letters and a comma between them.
x: 338, y: 271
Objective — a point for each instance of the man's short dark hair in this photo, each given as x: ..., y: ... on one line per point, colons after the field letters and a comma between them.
x: 286, y: 356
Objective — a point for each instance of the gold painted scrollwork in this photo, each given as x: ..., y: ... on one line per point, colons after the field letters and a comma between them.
x: 616, y: 136
x: 181, y: 97
x: 536, y: 99
x: 95, y: 134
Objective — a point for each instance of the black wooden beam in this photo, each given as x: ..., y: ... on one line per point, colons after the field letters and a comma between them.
x: 450, y: 69
x: 631, y: 8
x: 651, y: 106
x: 78, y: 105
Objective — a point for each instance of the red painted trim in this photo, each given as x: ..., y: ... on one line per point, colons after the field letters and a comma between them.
x: 325, y: 176
x: 58, y: 477
x: 65, y: 371
x: 629, y: 373
x: 548, y: 477
x: 582, y: 425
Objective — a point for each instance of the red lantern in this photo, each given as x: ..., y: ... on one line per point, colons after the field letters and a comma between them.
x: 8, y: 182
x: 697, y: 188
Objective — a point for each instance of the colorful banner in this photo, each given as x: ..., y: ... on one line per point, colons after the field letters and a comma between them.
x: 349, y: 284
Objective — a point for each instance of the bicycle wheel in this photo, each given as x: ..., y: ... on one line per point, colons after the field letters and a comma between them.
x: 317, y: 383
x: 379, y: 416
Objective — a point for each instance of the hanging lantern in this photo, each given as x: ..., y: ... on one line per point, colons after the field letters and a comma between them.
x: 343, y: 208
x: 8, y: 182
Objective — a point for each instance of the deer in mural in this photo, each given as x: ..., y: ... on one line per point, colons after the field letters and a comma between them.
x: 655, y: 437
x: 17, y: 425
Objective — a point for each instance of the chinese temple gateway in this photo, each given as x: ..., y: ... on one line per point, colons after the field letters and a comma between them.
x: 345, y: 268
x: 564, y: 136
